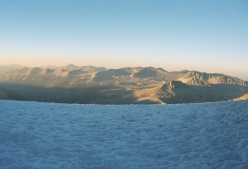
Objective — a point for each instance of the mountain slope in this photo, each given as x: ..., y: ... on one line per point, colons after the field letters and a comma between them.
x: 7, y: 68
x: 244, y: 97
x: 6, y: 94
x: 178, y: 92
x: 199, y: 78
x: 137, y: 76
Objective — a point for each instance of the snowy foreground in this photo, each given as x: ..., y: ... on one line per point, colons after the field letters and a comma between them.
x: 46, y: 135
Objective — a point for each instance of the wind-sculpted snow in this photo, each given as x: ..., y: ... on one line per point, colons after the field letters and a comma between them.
x: 47, y: 135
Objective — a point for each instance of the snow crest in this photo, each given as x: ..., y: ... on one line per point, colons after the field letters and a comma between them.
x: 47, y: 135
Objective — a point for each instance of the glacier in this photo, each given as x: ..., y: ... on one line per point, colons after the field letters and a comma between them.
x: 50, y: 135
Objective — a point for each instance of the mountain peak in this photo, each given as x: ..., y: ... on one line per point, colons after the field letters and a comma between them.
x: 71, y: 65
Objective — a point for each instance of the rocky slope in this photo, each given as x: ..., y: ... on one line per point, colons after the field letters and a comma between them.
x: 199, y: 78
x: 244, y: 97
x: 178, y: 92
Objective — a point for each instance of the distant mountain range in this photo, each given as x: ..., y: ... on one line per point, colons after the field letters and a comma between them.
x: 130, y: 85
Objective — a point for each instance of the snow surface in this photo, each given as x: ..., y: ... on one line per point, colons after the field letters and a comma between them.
x: 47, y: 135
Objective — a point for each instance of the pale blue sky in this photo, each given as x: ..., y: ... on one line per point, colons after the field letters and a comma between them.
x: 204, y: 35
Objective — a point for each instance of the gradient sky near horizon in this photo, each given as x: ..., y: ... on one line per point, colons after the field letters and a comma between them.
x: 203, y: 35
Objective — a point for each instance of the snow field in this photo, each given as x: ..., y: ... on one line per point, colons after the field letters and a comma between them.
x: 47, y: 135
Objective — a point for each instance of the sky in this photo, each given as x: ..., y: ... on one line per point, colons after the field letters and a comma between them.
x: 204, y: 35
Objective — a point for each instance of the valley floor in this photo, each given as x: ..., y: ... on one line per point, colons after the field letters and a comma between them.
x: 181, y: 136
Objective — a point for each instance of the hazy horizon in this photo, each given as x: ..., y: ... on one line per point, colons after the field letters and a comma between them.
x: 207, y: 36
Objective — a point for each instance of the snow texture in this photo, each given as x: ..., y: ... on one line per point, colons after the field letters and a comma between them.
x: 185, y: 136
